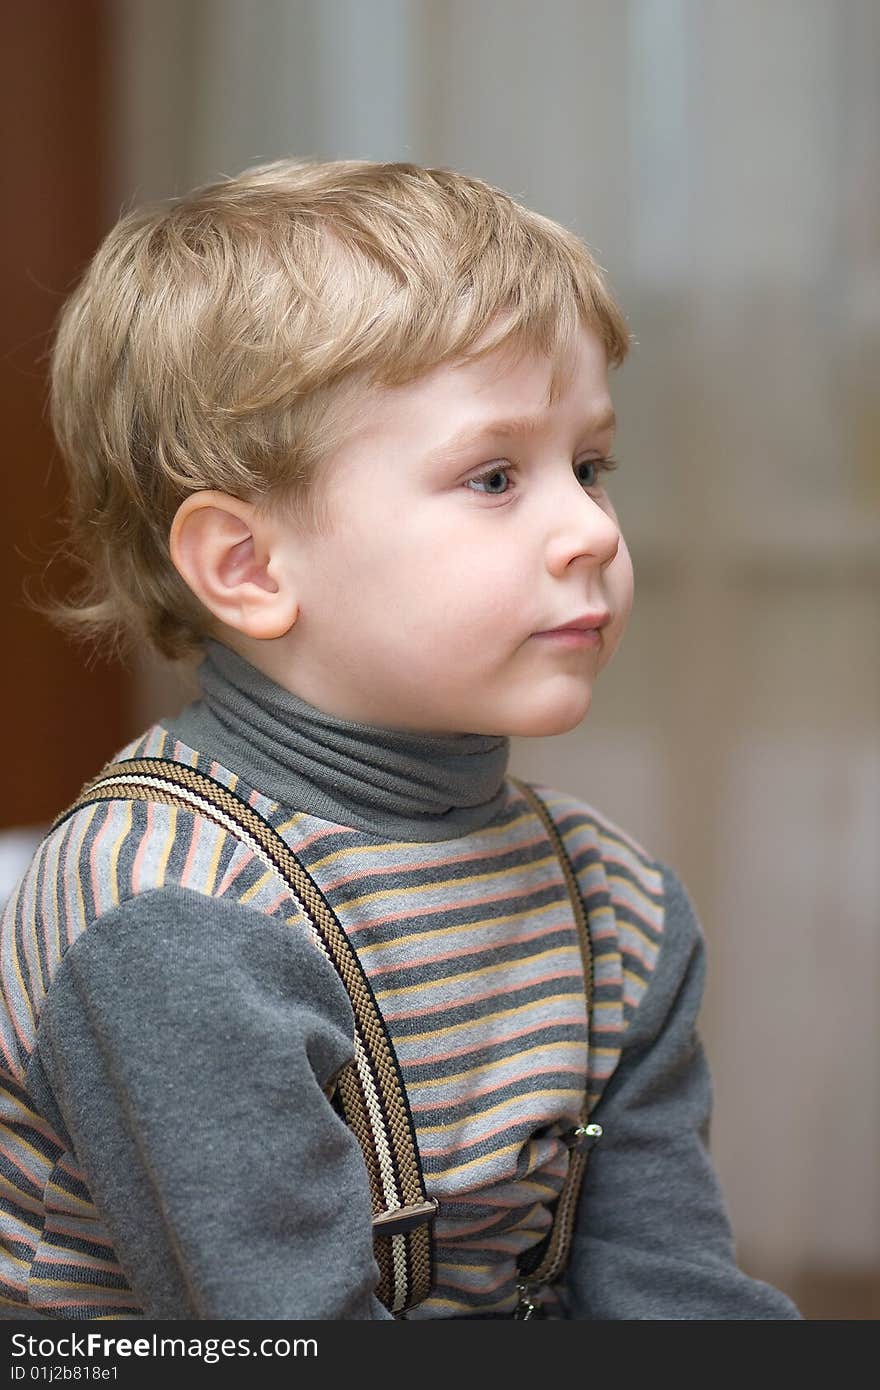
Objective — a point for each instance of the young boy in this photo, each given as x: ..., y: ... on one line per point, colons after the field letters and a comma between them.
x: 344, y: 429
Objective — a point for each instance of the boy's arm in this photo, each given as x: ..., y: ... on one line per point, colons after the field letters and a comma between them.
x: 652, y: 1238
x: 186, y: 1045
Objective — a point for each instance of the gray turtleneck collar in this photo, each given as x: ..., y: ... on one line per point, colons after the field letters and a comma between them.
x: 394, y: 782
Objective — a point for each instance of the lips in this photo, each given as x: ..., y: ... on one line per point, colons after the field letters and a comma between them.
x: 587, y: 622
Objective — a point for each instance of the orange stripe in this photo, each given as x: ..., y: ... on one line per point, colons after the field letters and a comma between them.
x: 411, y: 913
x: 480, y: 855
x: 505, y: 1080
x: 142, y: 850
x: 492, y: 943
x: 232, y: 874
x: 193, y: 848
x: 51, y: 1254
x: 516, y: 1012
x: 81, y: 1232
x: 480, y: 1136
x: 505, y: 988
x: 38, y: 1177
x: 543, y: 1049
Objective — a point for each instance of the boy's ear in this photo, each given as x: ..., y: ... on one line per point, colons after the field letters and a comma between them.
x: 229, y: 557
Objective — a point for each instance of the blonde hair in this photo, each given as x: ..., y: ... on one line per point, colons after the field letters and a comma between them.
x: 222, y: 340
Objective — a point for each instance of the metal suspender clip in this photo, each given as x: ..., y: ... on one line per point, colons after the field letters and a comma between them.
x: 527, y: 1309
x: 402, y: 1219
x: 583, y: 1137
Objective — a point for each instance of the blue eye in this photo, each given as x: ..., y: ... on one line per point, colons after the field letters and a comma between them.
x: 493, y: 476
x: 491, y: 479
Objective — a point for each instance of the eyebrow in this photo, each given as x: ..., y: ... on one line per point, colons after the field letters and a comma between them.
x: 514, y: 428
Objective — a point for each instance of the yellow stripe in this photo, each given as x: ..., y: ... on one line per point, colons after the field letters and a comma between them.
x: 491, y: 1068
x: 652, y: 910
x: 255, y: 887
x: 600, y: 956
x: 28, y: 906
x: 53, y: 1251
x: 459, y: 1306
x: 500, y: 876
x: 86, y: 1206
x: 15, y: 1260
x: 635, y: 979
x: 651, y: 878
x: 474, y: 1162
x: 114, y: 853
x: 25, y: 996
x: 47, y: 1163
x: 482, y: 974
x: 590, y: 819
x: 91, y: 812
x: 626, y: 927
x: 452, y: 1030
x: 441, y: 933
x: 395, y: 846
x: 56, y: 880
x: 21, y: 1198
x: 454, y: 1267
x: 541, y: 1191
x: 98, y: 1293
x: 19, y: 1229
x: 219, y: 841
x: 455, y: 1126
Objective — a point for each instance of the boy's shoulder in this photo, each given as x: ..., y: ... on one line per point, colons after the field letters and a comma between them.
x: 111, y: 849
x: 588, y: 834
x: 636, y: 907
x: 96, y: 859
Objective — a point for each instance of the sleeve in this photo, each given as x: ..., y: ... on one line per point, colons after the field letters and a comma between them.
x: 187, y: 1044
x: 652, y: 1239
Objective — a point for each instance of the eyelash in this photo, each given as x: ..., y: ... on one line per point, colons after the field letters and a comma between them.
x: 603, y: 465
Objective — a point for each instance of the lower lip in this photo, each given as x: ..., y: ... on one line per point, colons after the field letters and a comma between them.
x: 572, y: 637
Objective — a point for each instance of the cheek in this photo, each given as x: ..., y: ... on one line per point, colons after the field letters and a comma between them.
x: 624, y: 579
x: 417, y: 580
x: 619, y: 582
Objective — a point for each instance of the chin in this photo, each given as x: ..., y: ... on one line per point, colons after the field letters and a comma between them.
x: 551, y: 716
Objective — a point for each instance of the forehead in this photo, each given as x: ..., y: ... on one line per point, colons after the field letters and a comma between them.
x: 504, y: 384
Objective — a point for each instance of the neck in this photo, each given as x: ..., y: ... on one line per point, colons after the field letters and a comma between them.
x: 394, y: 782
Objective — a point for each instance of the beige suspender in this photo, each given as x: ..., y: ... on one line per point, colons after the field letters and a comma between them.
x: 370, y: 1090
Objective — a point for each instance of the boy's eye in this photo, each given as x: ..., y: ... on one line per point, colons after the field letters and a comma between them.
x: 494, y: 481
x: 491, y: 479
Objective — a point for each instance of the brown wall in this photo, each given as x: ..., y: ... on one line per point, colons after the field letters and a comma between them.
x: 60, y: 719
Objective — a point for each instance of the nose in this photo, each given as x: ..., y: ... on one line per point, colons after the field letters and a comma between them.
x: 583, y: 530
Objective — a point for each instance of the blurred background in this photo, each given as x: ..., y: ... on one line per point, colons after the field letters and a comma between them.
x: 721, y: 159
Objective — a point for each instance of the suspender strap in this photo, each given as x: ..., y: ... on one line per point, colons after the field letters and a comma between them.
x: 547, y: 1262
x: 370, y: 1090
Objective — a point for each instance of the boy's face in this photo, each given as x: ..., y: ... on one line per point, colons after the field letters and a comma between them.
x: 428, y: 605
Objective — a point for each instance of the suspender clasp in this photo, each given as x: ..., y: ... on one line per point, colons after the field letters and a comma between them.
x: 402, y: 1219
x: 583, y: 1138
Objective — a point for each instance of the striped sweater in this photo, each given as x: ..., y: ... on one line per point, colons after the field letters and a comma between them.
x: 168, y: 1033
